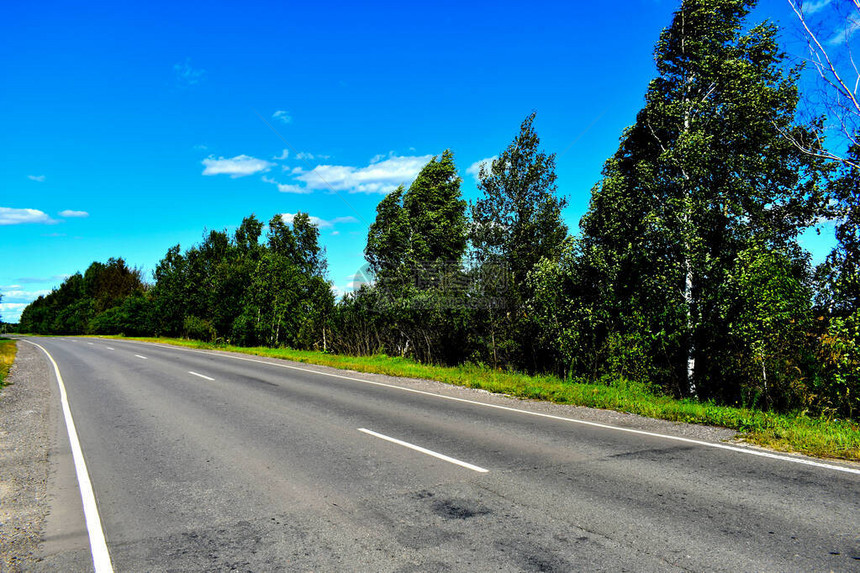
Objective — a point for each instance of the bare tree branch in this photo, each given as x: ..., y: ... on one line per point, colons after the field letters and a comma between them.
x: 840, y: 97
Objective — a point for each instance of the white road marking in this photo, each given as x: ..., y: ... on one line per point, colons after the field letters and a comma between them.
x: 748, y: 451
x: 425, y: 451
x: 139, y: 356
x: 98, y: 545
x: 90, y: 343
x: 201, y: 376
x: 109, y: 347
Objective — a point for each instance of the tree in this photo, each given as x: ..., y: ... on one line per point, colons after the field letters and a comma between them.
x: 770, y: 323
x: 702, y: 173
x: 388, y: 237
x: 171, y: 293
x: 424, y: 226
x: 515, y: 224
x: 839, y: 276
x: 414, y: 249
x: 310, y: 257
x: 436, y: 213
x: 518, y: 221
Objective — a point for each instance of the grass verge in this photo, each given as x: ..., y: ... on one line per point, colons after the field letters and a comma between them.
x: 784, y: 432
x: 8, y: 350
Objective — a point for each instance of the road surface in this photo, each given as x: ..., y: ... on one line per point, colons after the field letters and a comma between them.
x: 202, y: 461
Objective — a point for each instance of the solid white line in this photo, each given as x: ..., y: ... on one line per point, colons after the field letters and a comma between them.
x: 425, y: 451
x: 748, y: 451
x: 98, y: 545
x: 201, y: 375
x: 139, y: 356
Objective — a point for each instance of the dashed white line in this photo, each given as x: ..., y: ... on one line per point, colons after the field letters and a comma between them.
x: 449, y: 459
x: 98, y: 545
x: 715, y: 445
x: 90, y: 343
x: 109, y: 347
x: 201, y: 376
x: 139, y: 356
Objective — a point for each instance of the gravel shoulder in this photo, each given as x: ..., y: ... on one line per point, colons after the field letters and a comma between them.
x: 27, y: 422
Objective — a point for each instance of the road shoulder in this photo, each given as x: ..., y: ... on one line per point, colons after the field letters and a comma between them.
x: 26, y: 432
x: 42, y: 525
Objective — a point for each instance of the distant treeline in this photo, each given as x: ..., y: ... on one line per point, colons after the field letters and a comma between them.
x: 687, y: 273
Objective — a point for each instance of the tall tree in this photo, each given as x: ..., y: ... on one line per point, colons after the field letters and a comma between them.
x: 515, y: 224
x: 841, y: 271
x: 388, y: 236
x: 517, y: 221
x: 436, y: 213
x: 415, y: 249
x: 703, y: 172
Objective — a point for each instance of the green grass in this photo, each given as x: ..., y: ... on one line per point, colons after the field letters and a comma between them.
x: 789, y: 433
x: 8, y: 349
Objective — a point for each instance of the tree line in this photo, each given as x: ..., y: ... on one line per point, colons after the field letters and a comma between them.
x: 686, y: 275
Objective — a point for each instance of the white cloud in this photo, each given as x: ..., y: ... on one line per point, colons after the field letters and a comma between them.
x: 845, y: 33
x: 70, y: 213
x: 320, y: 223
x: 38, y: 178
x: 11, y: 311
x: 23, y: 296
x: 813, y: 7
x: 284, y: 154
x: 35, y: 280
x: 186, y: 75
x: 379, y: 177
x: 287, y: 188
x: 10, y: 216
x: 475, y: 169
x: 238, y: 166
x: 15, y: 300
x: 305, y: 156
x: 283, y: 116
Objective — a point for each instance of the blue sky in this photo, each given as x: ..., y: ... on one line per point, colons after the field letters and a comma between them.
x: 131, y: 127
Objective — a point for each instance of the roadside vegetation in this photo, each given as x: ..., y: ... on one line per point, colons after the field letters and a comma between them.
x: 8, y: 349
x: 684, y: 295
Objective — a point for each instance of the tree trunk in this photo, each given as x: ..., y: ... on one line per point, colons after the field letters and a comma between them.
x: 688, y: 209
x: 688, y: 303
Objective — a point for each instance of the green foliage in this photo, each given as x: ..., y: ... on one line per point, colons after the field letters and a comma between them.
x: 703, y: 174
x: 80, y: 299
x: 517, y: 221
x: 767, y: 305
x: 839, y: 276
x: 388, y: 237
x: 436, y: 213
x: 836, y: 370
x: 198, y: 329
x: 417, y: 304
x: 515, y: 224
x: 225, y: 287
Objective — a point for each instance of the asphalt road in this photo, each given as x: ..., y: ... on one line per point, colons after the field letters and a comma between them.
x: 199, y: 461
